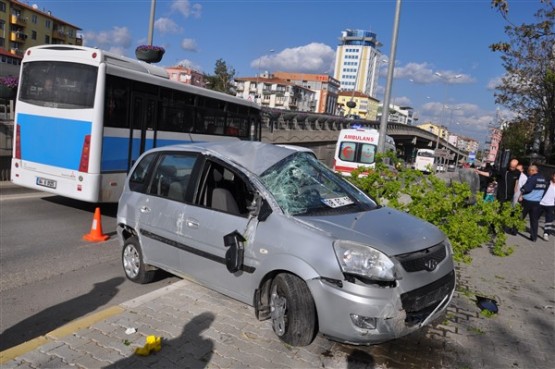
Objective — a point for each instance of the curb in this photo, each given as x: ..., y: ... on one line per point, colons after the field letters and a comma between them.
x: 86, y: 322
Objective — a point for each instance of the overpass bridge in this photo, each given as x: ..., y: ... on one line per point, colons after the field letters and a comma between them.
x: 319, y: 133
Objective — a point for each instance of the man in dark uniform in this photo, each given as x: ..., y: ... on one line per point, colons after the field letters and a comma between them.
x: 506, y: 184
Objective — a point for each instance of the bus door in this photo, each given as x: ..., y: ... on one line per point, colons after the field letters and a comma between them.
x: 143, y: 124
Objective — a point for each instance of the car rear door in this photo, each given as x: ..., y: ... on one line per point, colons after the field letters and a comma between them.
x: 161, y: 211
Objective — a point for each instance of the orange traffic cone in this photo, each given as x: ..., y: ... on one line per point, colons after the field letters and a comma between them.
x: 95, y: 234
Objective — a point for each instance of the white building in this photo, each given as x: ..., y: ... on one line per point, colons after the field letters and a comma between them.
x: 266, y: 90
x: 357, y: 62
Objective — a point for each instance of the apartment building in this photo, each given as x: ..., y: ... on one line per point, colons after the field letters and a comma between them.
x: 23, y: 25
x: 326, y: 88
x: 397, y: 114
x: 186, y: 75
x: 357, y: 61
x: 365, y: 107
x: 267, y: 90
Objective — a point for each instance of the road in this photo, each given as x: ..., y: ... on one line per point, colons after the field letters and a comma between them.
x: 49, y: 274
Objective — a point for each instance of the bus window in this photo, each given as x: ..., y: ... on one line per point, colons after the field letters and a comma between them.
x: 67, y: 85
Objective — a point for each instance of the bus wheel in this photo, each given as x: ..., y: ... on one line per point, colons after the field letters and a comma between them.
x: 292, y: 310
x: 133, y: 263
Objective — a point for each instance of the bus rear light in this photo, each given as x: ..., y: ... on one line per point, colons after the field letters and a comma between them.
x: 28, y: 52
x: 84, y: 164
x: 94, y: 55
x: 18, y: 142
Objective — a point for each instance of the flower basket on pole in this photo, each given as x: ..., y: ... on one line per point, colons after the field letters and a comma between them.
x: 149, y: 53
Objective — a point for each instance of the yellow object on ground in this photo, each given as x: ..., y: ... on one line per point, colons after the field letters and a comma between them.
x: 153, y: 343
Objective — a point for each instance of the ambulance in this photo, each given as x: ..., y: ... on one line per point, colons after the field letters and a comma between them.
x: 357, y: 147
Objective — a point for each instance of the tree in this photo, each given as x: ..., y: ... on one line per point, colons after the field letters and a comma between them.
x: 222, y: 79
x: 528, y: 87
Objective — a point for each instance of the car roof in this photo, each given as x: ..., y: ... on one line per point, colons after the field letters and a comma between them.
x: 253, y: 155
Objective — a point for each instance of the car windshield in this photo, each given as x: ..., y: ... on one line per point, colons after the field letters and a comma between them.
x: 302, y: 185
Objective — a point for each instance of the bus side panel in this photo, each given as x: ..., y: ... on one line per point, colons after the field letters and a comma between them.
x: 52, y: 141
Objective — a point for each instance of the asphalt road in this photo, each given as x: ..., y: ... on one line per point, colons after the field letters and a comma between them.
x: 49, y: 274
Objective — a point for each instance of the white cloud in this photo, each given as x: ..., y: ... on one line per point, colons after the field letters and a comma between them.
x: 166, y: 25
x: 311, y: 58
x: 494, y: 82
x: 189, y: 64
x: 186, y: 8
x: 117, y: 38
x: 423, y: 73
x: 189, y: 44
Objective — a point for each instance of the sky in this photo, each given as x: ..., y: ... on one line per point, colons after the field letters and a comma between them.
x: 449, y: 37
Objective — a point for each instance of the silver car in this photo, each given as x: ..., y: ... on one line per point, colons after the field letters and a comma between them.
x: 276, y: 229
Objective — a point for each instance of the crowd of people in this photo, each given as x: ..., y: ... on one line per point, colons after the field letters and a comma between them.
x: 531, y: 190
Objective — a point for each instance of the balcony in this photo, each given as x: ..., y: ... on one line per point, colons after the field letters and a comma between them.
x: 240, y: 88
x: 19, y: 20
x: 18, y: 36
x: 60, y: 35
x: 17, y: 52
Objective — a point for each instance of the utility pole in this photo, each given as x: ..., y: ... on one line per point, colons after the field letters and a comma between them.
x: 387, y: 96
x: 151, y: 22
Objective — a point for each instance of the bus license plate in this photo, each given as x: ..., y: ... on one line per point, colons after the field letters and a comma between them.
x: 46, y: 182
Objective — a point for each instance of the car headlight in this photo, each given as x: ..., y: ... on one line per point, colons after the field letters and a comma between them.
x: 363, y: 260
x: 449, y: 246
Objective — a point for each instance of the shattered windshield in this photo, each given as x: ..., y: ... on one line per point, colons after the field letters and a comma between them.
x: 302, y: 185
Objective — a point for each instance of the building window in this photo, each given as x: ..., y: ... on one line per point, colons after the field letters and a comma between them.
x: 34, y: 18
x: 2, y: 42
x: 46, y: 39
x: 47, y: 23
x: 2, y: 6
x: 34, y: 35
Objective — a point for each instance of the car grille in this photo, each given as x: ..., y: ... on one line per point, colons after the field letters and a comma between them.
x: 419, y: 260
x: 419, y: 303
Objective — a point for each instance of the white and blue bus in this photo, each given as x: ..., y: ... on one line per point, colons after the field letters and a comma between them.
x: 83, y: 116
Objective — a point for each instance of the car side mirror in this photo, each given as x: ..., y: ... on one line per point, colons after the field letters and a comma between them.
x: 235, y: 255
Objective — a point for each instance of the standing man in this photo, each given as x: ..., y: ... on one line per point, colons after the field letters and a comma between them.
x: 532, y: 193
x: 506, y: 182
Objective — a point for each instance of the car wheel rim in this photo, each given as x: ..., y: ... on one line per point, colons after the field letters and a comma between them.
x: 278, y: 307
x: 131, y: 261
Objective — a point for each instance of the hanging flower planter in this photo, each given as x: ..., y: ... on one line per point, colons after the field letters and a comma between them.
x: 8, y: 87
x: 149, y: 53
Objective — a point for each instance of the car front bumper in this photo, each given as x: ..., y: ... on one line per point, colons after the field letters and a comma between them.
x: 394, y: 313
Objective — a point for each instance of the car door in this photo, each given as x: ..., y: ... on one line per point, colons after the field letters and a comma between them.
x: 163, y: 207
x: 220, y: 208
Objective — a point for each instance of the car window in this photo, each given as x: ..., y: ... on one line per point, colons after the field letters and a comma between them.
x: 302, y: 185
x: 172, y: 174
x: 139, y: 177
x: 224, y: 189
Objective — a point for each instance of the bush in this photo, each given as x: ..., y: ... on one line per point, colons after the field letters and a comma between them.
x: 464, y: 217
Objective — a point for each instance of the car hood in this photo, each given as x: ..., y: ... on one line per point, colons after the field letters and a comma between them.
x: 389, y: 230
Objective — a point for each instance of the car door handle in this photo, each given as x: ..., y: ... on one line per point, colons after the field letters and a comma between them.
x: 145, y: 209
x: 192, y: 223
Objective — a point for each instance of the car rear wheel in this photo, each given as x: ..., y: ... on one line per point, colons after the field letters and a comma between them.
x: 133, y: 263
x: 292, y: 310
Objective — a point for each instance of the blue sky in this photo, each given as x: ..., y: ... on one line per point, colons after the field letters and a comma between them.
x: 450, y: 37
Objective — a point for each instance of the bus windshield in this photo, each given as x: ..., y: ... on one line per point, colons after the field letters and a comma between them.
x: 426, y: 153
x: 59, y: 85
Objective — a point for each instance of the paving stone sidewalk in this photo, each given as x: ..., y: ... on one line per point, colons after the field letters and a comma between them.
x: 204, y: 329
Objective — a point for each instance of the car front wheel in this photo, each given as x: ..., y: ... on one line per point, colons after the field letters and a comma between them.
x: 133, y: 263
x: 292, y: 310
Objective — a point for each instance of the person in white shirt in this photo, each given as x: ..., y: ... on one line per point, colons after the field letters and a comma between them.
x: 518, y: 185
x: 547, y: 204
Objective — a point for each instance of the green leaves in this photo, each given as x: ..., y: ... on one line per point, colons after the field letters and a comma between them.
x: 465, y: 218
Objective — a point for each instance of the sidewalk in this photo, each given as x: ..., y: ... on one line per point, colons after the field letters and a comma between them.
x: 202, y: 328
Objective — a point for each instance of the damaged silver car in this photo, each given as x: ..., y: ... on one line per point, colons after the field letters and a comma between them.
x: 276, y: 229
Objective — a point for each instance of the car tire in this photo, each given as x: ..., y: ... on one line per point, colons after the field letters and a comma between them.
x: 292, y: 310
x: 133, y: 263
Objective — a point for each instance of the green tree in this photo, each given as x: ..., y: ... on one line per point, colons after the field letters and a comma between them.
x: 528, y: 87
x: 222, y: 79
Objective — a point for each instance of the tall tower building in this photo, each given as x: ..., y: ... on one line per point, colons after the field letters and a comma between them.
x: 357, y: 61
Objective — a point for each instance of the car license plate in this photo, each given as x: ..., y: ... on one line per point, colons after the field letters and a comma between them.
x: 50, y: 183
